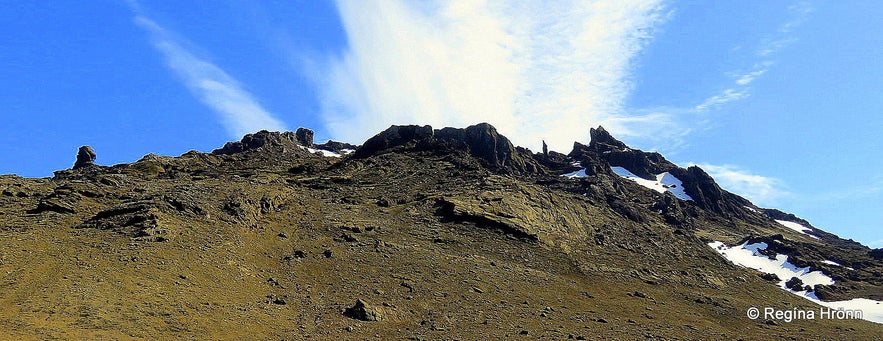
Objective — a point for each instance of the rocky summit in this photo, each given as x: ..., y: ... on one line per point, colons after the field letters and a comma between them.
x: 416, y: 234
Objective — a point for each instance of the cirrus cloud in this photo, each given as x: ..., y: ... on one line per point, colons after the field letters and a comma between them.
x: 537, y: 70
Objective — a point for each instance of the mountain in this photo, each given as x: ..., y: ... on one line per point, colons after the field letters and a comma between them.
x: 417, y: 233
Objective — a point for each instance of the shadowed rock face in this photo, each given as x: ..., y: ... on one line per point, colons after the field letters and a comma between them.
x: 304, y: 136
x: 697, y: 183
x: 85, y: 157
x: 482, y: 141
x: 258, y: 140
x: 392, y: 137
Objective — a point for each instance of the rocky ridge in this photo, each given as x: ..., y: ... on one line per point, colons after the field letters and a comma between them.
x: 434, y: 233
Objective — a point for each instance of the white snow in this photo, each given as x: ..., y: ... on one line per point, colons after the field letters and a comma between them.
x: 664, y: 182
x: 830, y: 262
x: 578, y: 174
x: 748, y: 255
x: 751, y: 209
x: 324, y: 152
x: 796, y: 227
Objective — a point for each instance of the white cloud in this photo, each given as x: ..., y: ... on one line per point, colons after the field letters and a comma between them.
x: 240, y: 113
x: 761, y: 190
x: 725, y: 96
x: 747, y: 78
x: 535, y: 69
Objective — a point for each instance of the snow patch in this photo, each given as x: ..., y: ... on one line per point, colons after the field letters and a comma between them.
x: 665, y: 182
x: 578, y: 174
x: 748, y: 255
x: 830, y: 262
x: 327, y: 153
x: 796, y: 227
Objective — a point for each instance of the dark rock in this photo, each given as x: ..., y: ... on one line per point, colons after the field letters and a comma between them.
x: 392, y: 137
x: 53, y: 205
x: 602, y: 140
x: 480, y: 141
x: 304, y: 136
x: 276, y: 299
x: 830, y: 292
x: 337, y: 147
x: 138, y: 219
x: 259, y: 140
x: 483, y: 142
x: 363, y: 312
x: 85, y: 157
x: 770, y: 277
x: 327, y: 253
x: 605, y: 151
x: 794, y: 284
x: 876, y: 254
x: 545, y: 148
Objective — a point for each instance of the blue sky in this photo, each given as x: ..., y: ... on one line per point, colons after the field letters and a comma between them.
x: 779, y: 100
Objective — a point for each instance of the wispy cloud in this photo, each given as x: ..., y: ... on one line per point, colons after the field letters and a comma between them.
x: 761, y: 190
x: 535, y: 69
x: 679, y: 122
x: 780, y: 39
x: 239, y: 112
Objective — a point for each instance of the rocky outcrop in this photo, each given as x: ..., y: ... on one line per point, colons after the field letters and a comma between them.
x: 363, y: 312
x: 602, y: 140
x: 304, y: 137
x: 261, y: 139
x: 707, y: 194
x: 481, y: 141
x: 85, y: 157
x: 605, y: 151
x: 337, y: 147
x: 392, y: 137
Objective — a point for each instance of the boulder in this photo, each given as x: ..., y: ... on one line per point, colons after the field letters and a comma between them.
x: 85, y: 157
x: 794, y: 284
x: 363, y: 312
x: 304, y: 136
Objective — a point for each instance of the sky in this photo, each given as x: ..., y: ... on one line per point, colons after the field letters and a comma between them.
x: 780, y: 101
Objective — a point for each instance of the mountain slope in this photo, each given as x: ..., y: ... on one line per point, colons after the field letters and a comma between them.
x: 438, y: 234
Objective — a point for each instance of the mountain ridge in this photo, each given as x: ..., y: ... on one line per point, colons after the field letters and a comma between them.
x: 431, y: 233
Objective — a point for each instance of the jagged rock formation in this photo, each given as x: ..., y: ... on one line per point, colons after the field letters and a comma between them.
x: 258, y: 140
x: 85, y: 157
x: 452, y: 233
x: 697, y: 183
x: 304, y: 136
x: 481, y: 141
